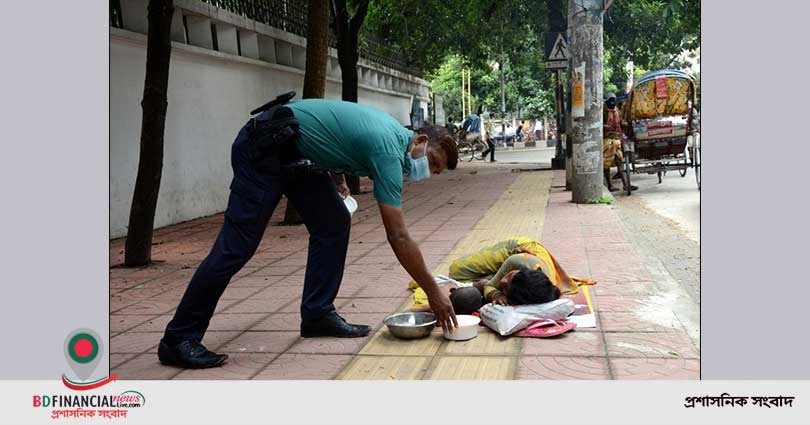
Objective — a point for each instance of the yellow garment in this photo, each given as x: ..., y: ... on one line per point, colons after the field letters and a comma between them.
x: 611, y: 150
x: 420, y: 298
x: 487, y: 261
x: 523, y: 261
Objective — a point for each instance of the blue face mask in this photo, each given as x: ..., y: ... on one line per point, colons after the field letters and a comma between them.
x: 420, y: 168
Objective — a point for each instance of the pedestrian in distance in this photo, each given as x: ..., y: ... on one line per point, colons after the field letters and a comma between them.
x: 519, y: 132
x: 538, y: 130
x: 450, y: 126
x: 490, y: 138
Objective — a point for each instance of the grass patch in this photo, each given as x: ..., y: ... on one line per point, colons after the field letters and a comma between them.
x: 601, y: 200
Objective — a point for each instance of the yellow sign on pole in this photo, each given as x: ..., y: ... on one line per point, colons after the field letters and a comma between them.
x: 578, y: 92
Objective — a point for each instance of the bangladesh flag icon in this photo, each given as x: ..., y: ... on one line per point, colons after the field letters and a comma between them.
x: 83, y: 350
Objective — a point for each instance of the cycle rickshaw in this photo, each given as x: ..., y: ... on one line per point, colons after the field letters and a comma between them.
x: 662, y: 126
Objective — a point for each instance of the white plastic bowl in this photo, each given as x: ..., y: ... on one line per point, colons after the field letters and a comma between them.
x: 351, y: 204
x: 467, y: 328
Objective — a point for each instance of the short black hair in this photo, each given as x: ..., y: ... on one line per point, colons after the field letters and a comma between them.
x: 466, y: 300
x: 531, y: 287
x: 440, y: 137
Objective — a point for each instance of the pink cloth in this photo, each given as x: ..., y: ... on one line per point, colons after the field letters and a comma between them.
x: 546, y: 328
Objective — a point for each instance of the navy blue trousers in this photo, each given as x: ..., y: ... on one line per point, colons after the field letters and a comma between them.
x: 252, y: 200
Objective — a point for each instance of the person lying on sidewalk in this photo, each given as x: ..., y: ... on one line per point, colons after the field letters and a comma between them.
x: 519, y: 281
x: 288, y: 150
x: 488, y: 262
x: 498, y: 265
x: 516, y: 284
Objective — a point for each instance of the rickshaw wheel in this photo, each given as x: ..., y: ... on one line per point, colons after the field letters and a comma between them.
x: 627, y: 173
x: 465, y: 151
x: 697, y: 164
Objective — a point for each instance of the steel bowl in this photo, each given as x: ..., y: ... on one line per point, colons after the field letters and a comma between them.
x: 410, y: 325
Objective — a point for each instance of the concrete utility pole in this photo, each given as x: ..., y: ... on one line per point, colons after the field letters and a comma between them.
x: 463, y: 95
x: 585, y: 82
x: 557, y: 23
x: 503, y: 93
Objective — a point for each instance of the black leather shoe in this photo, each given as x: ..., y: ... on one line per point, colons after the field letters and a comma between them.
x: 333, y: 325
x: 189, y: 354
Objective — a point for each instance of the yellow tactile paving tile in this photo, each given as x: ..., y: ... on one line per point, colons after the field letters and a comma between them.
x: 385, y: 344
x: 477, y: 368
x: 520, y: 211
x: 486, y: 343
x: 385, y: 368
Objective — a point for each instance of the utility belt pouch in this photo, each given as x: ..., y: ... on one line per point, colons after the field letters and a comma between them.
x: 273, y: 135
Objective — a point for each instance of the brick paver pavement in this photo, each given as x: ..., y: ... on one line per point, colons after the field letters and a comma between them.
x: 257, y: 318
x: 643, y: 324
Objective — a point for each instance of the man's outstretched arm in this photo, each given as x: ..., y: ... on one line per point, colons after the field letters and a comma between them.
x: 409, y: 255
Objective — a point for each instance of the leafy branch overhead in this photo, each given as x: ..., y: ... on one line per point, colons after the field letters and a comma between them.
x: 441, y: 36
x: 651, y: 33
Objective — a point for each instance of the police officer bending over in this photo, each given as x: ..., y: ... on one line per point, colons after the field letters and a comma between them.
x: 287, y: 150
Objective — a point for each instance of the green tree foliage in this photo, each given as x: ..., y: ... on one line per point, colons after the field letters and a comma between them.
x: 439, y: 36
x: 651, y: 33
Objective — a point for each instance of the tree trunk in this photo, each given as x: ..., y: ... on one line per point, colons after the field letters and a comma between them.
x: 585, y: 21
x: 138, y: 249
x: 317, y: 49
x: 315, y: 74
x: 347, y: 30
x: 348, y: 70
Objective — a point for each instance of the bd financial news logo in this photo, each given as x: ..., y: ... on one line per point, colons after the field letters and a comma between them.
x: 83, y: 351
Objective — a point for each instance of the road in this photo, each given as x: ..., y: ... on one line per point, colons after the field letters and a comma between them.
x: 676, y: 198
x: 534, y: 155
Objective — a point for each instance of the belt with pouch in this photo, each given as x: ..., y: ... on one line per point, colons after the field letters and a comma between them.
x: 272, y: 136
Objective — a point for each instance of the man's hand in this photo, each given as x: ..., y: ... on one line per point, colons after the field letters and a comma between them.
x: 340, y: 183
x: 343, y: 190
x: 408, y: 254
x: 443, y: 309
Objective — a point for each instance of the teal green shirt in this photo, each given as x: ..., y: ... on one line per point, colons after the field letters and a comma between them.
x: 355, y: 139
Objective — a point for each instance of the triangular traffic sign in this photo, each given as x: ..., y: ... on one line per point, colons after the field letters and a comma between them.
x: 560, y: 49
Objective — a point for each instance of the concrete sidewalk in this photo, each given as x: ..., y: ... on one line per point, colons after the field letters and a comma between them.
x: 645, y: 328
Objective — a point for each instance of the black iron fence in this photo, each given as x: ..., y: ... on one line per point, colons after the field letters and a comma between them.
x: 291, y: 16
x: 287, y: 15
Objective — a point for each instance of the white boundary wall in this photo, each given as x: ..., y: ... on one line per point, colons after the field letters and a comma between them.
x: 210, y: 96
